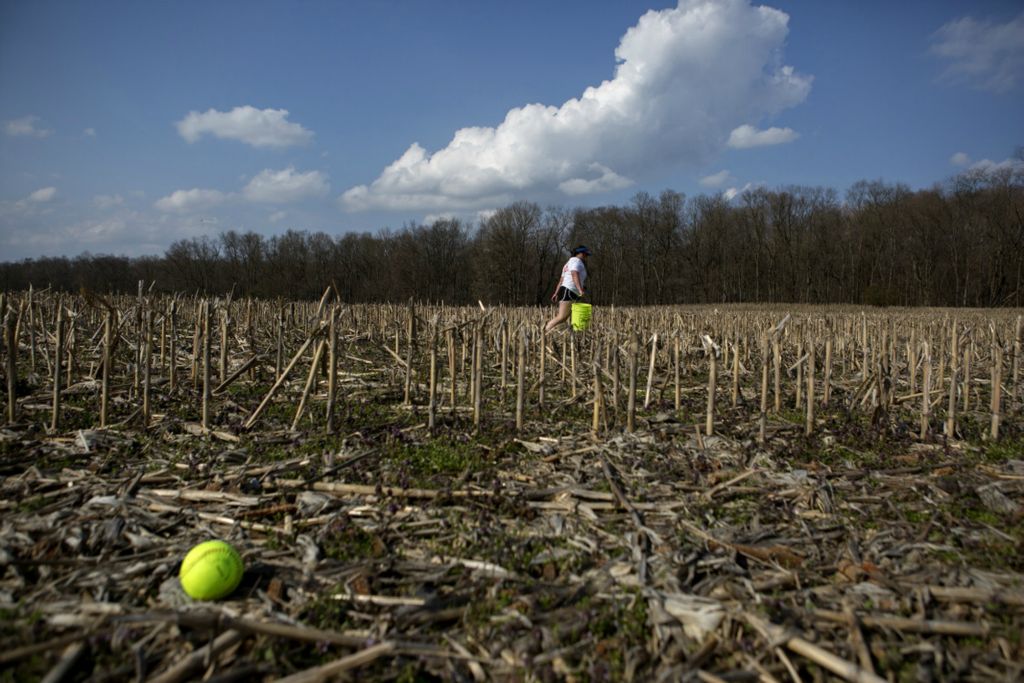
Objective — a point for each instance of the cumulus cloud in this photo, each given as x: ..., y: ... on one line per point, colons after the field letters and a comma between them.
x: 605, y: 179
x: 716, y: 179
x: 686, y: 77
x: 43, y: 194
x: 982, y: 54
x: 988, y: 166
x: 287, y: 185
x: 432, y: 218
x: 256, y: 127
x: 467, y: 217
x: 734, y: 192
x: 119, y: 229
x: 960, y: 159
x: 123, y: 232
x: 30, y: 228
x: 36, y: 203
x: 106, y: 201
x: 27, y: 126
x: 746, y: 136
x: 269, y: 186
x: 184, y: 201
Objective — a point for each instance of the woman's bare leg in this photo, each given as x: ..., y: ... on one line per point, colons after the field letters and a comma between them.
x: 564, y: 309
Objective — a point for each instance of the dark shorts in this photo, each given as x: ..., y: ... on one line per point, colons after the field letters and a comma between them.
x: 565, y: 294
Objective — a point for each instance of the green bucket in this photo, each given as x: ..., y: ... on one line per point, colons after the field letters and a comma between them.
x: 580, y: 316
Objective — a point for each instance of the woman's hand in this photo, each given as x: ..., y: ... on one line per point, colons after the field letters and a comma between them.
x: 554, y: 296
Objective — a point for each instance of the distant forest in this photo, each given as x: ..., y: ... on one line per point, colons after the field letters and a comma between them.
x: 960, y: 244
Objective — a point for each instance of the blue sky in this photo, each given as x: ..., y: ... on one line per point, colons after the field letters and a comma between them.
x: 125, y: 126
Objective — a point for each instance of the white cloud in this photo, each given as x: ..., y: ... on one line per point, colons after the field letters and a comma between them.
x: 277, y: 216
x: 734, y: 192
x: 27, y: 126
x: 268, y: 186
x: 982, y: 54
x: 746, y: 136
x: 432, y: 218
x: 716, y: 179
x: 124, y: 232
x: 256, y: 127
x: 606, y: 180
x: 989, y: 166
x: 106, y: 201
x: 468, y: 217
x: 35, y: 204
x: 685, y: 78
x: 286, y: 185
x: 89, y: 132
x: 960, y: 159
x: 115, y: 230
x: 43, y: 194
x: 183, y: 201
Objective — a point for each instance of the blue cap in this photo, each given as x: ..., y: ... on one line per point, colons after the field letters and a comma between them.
x: 581, y: 250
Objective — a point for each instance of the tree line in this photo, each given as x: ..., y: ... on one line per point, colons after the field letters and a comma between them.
x: 956, y: 244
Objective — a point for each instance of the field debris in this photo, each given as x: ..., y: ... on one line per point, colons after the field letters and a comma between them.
x: 416, y: 541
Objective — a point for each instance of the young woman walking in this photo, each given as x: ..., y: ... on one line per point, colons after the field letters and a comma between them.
x: 570, y: 286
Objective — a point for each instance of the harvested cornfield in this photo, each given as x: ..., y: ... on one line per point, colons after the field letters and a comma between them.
x: 427, y: 492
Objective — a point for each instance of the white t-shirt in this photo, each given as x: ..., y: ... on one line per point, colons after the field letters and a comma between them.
x: 573, y: 264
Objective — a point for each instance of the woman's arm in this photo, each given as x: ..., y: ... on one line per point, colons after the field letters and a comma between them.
x: 576, y: 281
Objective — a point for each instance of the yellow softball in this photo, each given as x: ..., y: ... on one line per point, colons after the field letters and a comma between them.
x: 211, y: 570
